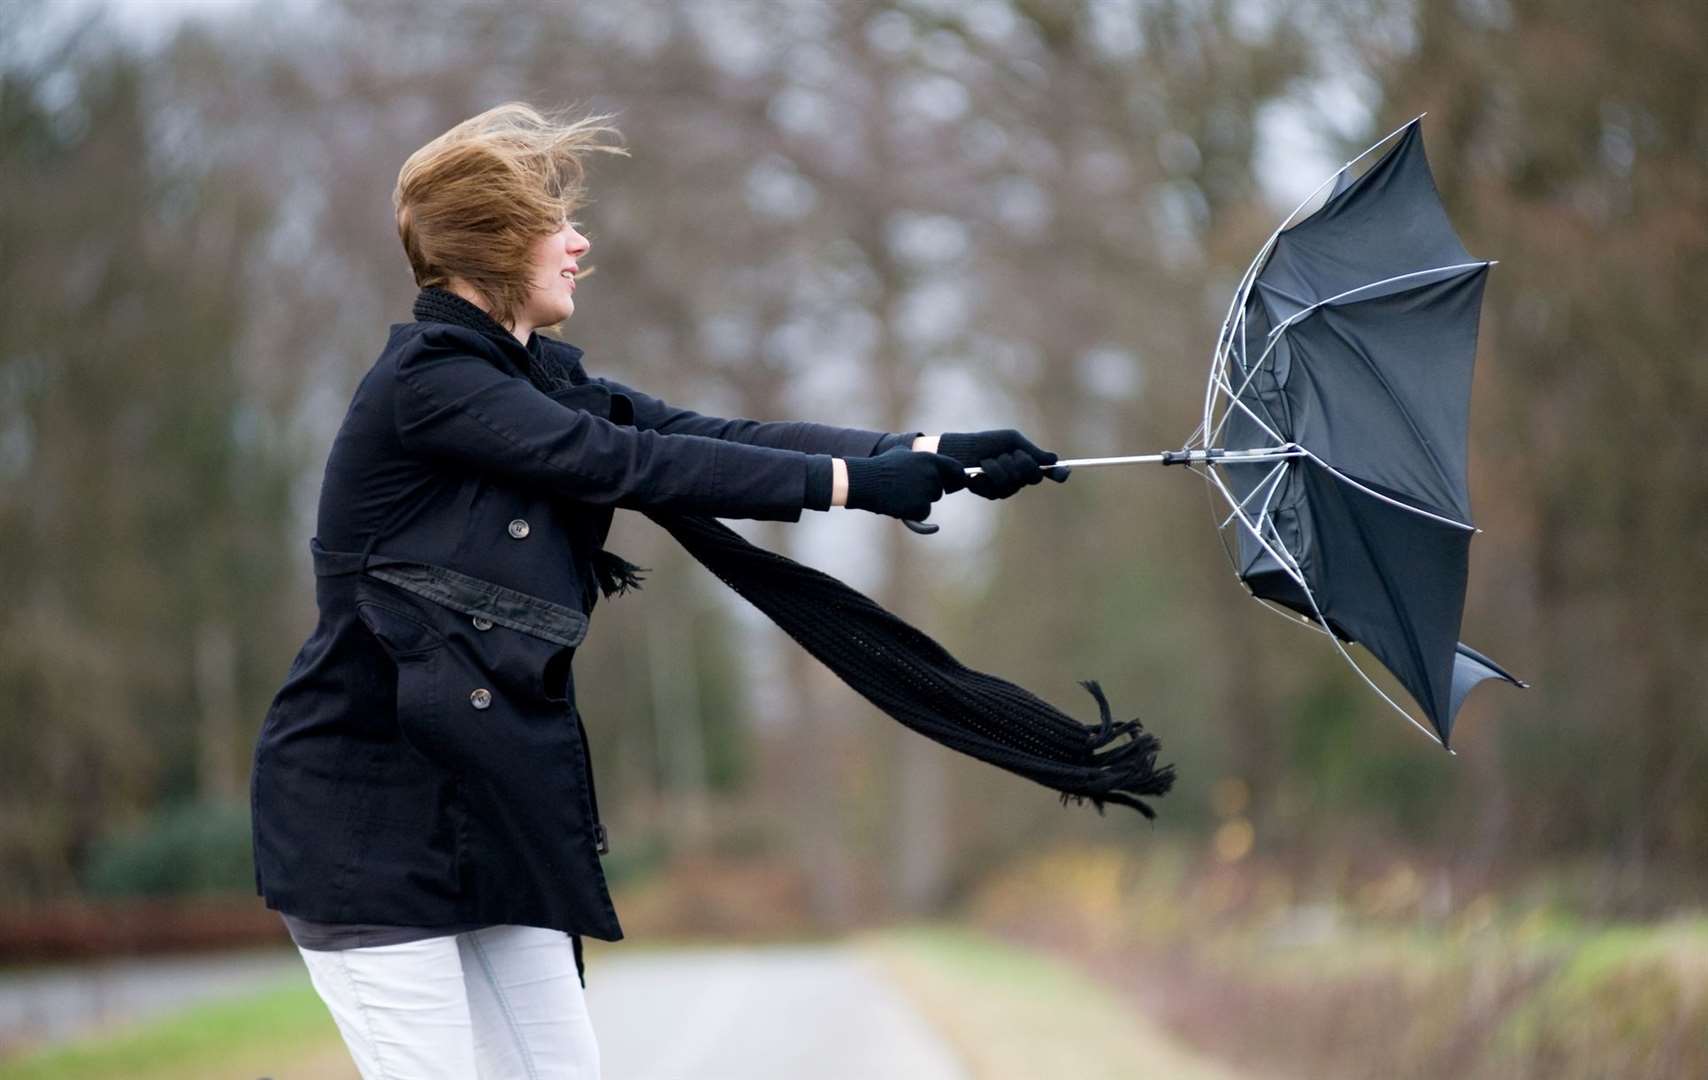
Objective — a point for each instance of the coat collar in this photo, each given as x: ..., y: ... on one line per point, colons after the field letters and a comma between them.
x: 549, y: 362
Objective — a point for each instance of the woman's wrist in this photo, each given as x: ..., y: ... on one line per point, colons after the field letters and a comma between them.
x: 839, y: 469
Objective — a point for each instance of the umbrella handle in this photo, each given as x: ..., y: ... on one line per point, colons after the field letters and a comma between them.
x: 924, y: 528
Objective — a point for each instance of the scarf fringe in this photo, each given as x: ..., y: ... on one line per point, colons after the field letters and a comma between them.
x: 615, y: 574
x: 1136, y: 759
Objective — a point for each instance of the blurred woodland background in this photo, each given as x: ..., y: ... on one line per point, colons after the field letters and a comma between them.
x: 927, y: 215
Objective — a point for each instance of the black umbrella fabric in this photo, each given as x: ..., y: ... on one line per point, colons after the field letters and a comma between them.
x: 1343, y: 377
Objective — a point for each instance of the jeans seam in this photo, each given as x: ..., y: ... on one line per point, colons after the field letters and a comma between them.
x: 362, y: 1007
x: 504, y: 1004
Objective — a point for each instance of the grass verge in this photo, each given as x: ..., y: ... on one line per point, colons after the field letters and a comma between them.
x: 1015, y: 1013
x: 282, y: 1033
x: 1390, y: 977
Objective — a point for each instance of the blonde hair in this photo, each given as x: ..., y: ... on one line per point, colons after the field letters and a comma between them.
x: 472, y: 203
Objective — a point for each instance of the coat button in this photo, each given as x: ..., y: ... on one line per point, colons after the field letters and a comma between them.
x: 482, y: 624
x: 481, y: 697
x: 518, y: 528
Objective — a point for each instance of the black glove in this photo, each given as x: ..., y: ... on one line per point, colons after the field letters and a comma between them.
x: 1009, y: 459
x: 901, y: 482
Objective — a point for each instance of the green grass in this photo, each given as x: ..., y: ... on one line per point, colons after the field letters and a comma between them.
x: 240, y: 1038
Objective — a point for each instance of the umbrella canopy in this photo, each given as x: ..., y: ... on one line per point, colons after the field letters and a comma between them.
x: 1342, y: 381
x: 1335, y: 426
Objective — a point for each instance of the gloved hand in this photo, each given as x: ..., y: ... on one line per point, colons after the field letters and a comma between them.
x: 901, y: 482
x: 1009, y: 459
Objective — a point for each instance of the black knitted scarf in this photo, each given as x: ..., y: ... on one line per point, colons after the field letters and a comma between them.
x: 889, y: 662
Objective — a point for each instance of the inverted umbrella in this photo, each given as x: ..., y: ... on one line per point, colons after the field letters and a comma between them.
x: 1335, y: 426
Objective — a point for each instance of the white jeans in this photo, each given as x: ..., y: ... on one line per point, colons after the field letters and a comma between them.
x: 503, y: 1003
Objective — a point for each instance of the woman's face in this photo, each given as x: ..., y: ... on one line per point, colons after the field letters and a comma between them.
x: 553, y: 266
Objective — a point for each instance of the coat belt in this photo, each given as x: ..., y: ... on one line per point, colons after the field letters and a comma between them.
x: 460, y: 592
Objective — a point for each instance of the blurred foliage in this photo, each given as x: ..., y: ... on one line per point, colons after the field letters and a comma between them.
x: 183, y: 850
x: 635, y: 860
x: 142, y: 501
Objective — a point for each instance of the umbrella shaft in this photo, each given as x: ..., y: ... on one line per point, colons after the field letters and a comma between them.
x: 1175, y: 457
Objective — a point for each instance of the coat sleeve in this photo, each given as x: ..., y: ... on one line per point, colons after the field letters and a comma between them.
x: 458, y: 408
x: 654, y: 414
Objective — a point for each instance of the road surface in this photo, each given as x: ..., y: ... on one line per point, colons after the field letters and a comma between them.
x: 758, y: 1013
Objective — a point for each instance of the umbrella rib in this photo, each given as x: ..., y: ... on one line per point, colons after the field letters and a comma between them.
x: 1291, y: 616
x: 1270, y: 427
x: 1221, y: 533
x: 1234, y: 322
x: 1263, y: 511
x: 1399, y: 403
x: 1275, y: 334
x: 1261, y: 484
x: 1371, y: 683
x: 1476, y: 264
x: 1257, y: 533
x: 1249, y: 278
x: 1356, y: 666
x: 1372, y: 492
x: 1290, y: 564
x: 1284, y: 294
x: 1249, y: 371
x: 1243, y: 407
x: 1235, y: 317
x: 1336, y: 174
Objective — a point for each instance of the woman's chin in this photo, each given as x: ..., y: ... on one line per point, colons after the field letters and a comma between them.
x: 560, y: 314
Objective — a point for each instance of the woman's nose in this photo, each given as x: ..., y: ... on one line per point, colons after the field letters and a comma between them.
x: 578, y: 244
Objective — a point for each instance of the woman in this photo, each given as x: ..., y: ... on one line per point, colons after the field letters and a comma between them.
x: 425, y: 818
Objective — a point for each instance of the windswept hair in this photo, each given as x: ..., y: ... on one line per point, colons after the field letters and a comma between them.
x: 473, y: 202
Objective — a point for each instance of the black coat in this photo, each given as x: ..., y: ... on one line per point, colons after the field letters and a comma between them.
x: 425, y: 762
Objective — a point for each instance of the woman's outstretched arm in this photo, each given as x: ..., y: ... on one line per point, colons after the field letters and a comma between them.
x: 453, y: 405
x: 655, y: 414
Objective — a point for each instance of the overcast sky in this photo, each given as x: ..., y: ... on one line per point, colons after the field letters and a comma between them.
x: 151, y: 20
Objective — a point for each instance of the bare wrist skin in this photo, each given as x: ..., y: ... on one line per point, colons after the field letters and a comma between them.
x: 927, y: 443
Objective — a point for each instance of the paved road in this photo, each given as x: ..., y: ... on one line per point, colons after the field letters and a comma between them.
x: 758, y: 1013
